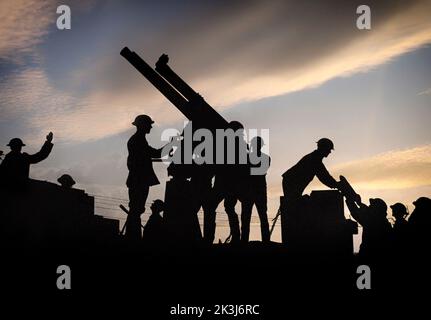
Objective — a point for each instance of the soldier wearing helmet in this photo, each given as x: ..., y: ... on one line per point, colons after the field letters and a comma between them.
x: 256, y: 190
x: 66, y: 181
x: 297, y: 178
x: 399, y: 213
x: 421, y: 215
x: 229, y: 185
x: 141, y: 173
x: 377, y: 231
x: 15, y: 167
x: 400, y: 227
x: 419, y: 225
x: 153, y: 233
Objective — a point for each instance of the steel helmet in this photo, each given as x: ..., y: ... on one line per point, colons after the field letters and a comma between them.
x: 66, y: 181
x: 142, y: 119
x: 379, y: 204
x: 325, y: 143
x: 235, y: 125
x: 158, y: 204
x: 422, y: 201
x: 15, y: 142
x: 399, y: 207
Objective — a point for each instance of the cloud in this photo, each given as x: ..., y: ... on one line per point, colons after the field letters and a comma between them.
x: 23, y: 24
x: 425, y: 92
x: 27, y: 96
x: 307, y: 50
x: 230, y: 54
x: 259, y: 51
x: 398, y: 169
x: 391, y: 172
x: 395, y: 176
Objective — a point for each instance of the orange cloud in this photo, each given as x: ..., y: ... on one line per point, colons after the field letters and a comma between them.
x: 398, y: 169
x: 258, y: 54
x: 23, y: 24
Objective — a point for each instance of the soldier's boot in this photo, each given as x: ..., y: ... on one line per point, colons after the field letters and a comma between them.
x: 264, y: 230
x: 264, y: 225
x: 246, y: 210
x: 209, y: 226
x: 234, y: 225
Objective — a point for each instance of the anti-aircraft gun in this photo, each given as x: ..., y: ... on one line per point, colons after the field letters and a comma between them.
x: 183, y: 196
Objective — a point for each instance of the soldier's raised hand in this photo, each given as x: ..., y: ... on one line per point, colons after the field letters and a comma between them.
x: 49, y: 137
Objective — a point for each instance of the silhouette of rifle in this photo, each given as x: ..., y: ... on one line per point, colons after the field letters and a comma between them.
x: 274, y: 221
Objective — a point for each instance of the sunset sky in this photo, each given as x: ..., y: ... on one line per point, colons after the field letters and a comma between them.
x: 298, y: 68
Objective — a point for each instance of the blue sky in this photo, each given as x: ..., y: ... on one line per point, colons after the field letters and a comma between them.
x: 300, y: 69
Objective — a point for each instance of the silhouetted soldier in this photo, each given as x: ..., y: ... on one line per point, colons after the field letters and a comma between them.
x: 228, y: 186
x: 15, y: 167
x: 421, y: 215
x: 141, y: 174
x: 256, y: 193
x: 420, y: 224
x: 66, y: 181
x: 297, y: 178
x: 400, y: 227
x: 376, y: 232
x: 295, y: 212
x: 153, y: 233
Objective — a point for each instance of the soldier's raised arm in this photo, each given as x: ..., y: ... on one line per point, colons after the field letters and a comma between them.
x: 44, y: 151
x: 358, y: 211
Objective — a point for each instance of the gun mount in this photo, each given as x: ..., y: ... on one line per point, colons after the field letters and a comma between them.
x: 316, y: 224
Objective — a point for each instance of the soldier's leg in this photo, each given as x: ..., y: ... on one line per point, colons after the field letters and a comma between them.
x: 202, y: 189
x: 137, y: 199
x: 229, y: 206
x: 215, y: 197
x: 262, y: 209
x: 246, y: 210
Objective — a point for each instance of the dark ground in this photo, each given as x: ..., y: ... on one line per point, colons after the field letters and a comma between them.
x: 120, y: 277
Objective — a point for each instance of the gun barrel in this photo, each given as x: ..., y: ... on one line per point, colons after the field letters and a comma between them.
x: 157, y: 81
x: 175, y: 80
x: 206, y: 113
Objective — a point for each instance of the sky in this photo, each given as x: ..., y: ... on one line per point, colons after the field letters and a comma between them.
x: 301, y: 69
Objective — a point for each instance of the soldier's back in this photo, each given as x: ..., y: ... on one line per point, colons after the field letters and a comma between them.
x: 15, y: 168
